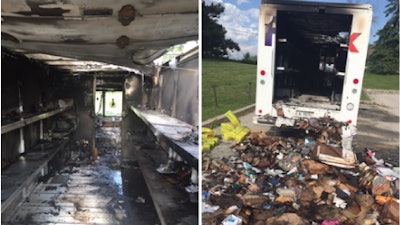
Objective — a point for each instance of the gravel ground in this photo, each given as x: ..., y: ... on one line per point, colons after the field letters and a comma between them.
x: 378, y: 125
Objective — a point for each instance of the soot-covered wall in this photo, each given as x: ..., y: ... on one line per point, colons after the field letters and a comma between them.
x: 132, y: 127
x: 27, y: 89
x: 177, y: 92
x: 38, y: 89
x: 81, y: 89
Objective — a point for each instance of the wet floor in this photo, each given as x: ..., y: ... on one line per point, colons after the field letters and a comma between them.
x: 108, y: 191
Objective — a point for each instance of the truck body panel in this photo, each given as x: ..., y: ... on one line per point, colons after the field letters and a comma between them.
x: 311, y: 59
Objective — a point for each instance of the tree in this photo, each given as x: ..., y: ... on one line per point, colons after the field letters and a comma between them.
x: 172, y: 52
x: 214, y: 43
x: 247, y: 58
x: 385, y: 57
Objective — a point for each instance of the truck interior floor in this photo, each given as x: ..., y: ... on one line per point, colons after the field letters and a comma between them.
x: 107, y: 191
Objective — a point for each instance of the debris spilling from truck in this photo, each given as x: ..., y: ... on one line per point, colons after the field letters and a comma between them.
x: 310, y: 68
x: 298, y: 180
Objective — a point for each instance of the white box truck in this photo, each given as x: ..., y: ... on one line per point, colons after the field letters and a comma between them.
x: 311, y: 59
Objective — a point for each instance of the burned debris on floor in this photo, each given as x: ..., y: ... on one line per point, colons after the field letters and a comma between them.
x: 88, y: 194
x: 90, y: 189
x: 265, y: 179
x: 167, y: 184
x: 168, y: 158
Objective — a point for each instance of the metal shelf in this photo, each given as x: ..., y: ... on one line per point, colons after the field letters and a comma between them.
x: 21, y: 177
x: 25, y: 121
x: 169, y: 130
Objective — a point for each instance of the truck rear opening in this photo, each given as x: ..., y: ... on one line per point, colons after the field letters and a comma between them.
x: 311, y: 53
x: 311, y: 59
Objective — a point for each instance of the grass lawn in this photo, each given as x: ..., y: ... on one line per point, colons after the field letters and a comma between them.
x: 232, y: 86
x: 382, y: 82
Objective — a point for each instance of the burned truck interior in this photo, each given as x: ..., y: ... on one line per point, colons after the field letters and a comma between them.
x: 311, y: 54
x: 93, y: 131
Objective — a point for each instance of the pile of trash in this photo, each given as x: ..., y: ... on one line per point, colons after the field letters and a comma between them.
x: 312, y: 180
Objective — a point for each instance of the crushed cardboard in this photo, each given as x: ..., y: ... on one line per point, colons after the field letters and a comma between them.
x: 276, y: 180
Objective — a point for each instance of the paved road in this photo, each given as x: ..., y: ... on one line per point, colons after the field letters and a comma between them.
x: 378, y: 121
x: 387, y: 100
x: 378, y: 125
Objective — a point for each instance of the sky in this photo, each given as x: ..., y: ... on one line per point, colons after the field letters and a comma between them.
x: 240, y: 20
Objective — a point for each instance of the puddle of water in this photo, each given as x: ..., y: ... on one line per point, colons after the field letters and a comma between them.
x: 117, y: 179
x: 129, y: 182
x: 126, y: 179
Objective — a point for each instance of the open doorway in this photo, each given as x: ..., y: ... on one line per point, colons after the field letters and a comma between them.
x: 311, y: 55
x: 108, y: 108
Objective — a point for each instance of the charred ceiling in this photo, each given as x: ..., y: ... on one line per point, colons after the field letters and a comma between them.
x: 122, y: 33
x: 108, y: 76
x: 315, y: 27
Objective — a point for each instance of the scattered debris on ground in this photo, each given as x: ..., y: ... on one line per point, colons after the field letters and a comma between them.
x: 313, y: 179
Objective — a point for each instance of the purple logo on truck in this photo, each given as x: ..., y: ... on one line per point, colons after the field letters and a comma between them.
x: 269, y: 31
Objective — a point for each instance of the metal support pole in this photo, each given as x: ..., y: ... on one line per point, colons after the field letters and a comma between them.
x: 160, y: 91
x: 175, y: 94
x: 21, y: 130
x: 94, y: 149
x: 21, y: 141
x: 41, y: 129
x: 103, y: 98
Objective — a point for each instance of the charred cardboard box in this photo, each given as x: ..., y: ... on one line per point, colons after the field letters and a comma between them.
x: 311, y: 180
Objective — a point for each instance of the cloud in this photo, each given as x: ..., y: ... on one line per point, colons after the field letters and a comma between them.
x: 254, y: 12
x: 251, y: 49
x: 242, y: 28
x: 208, y: 2
x: 239, y: 2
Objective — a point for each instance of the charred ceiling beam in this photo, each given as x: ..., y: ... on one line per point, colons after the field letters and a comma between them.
x: 99, y: 31
x: 115, y: 86
x: 54, y: 8
x: 107, y: 53
x: 119, y: 33
x: 110, y: 83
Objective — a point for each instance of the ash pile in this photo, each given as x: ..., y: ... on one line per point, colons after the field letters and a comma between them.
x: 316, y: 179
